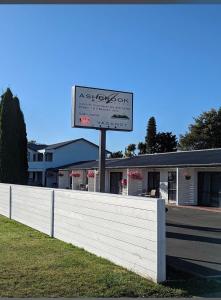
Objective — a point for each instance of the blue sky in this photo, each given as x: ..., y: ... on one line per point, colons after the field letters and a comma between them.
x: 169, y: 56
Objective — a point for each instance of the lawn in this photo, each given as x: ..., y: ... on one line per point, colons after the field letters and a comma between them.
x: 34, y: 265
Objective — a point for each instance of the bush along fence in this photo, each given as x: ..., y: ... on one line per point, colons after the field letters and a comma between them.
x: 127, y: 230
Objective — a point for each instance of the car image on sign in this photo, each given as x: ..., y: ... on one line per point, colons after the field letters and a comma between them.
x: 120, y: 117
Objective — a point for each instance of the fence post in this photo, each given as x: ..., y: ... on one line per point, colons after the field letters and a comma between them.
x: 52, y: 214
x: 161, y: 240
x: 10, y: 202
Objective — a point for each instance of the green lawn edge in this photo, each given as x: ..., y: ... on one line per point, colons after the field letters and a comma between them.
x: 32, y: 264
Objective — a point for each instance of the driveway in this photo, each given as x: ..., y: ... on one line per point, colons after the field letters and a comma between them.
x: 194, y: 241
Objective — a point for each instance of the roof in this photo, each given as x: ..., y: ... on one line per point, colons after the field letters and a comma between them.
x: 62, y: 144
x: 196, y: 158
x: 36, y: 147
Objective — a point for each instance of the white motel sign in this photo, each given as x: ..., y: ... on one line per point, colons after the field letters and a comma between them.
x: 102, y: 109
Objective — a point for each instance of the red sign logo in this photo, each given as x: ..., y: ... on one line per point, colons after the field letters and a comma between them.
x: 85, y: 120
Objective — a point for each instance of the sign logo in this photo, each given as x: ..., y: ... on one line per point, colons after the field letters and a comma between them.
x: 85, y: 120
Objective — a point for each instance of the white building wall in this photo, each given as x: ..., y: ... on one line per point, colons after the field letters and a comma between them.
x: 78, y: 151
x: 71, y: 153
x: 125, y: 187
x: 135, y: 186
x: 97, y: 183
x: 31, y: 152
x: 64, y: 181
x: 164, y: 184
x: 92, y: 182
x: 186, y: 188
x: 77, y: 181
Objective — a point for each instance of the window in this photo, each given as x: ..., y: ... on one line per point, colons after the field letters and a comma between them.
x: 172, y: 186
x: 29, y: 156
x: 209, y: 189
x: 154, y: 182
x: 34, y: 157
x: 49, y: 156
x: 40, y: 156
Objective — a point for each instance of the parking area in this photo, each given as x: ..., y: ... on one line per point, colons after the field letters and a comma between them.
x: 194, y: 241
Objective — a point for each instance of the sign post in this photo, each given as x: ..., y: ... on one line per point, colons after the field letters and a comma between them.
x: 102, y: 156
x: 104, y: 110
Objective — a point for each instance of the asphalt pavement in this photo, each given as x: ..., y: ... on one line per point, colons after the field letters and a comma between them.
x: 194, y: 241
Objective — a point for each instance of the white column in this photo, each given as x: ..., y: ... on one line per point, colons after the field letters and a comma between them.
x: 177, y: 186
x: 72, y: 182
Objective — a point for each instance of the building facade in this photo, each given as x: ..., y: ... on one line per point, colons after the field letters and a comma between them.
x: 44, y: 160
x: 182, y: 178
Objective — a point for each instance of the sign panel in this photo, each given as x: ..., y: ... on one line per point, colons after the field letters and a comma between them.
x: 99, y: 108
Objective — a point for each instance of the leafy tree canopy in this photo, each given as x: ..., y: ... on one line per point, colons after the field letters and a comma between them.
x: 130, y: 150
x: 117, y: 154
x: 166, y: 142
x: 204, y: 133
x: 142, y: 148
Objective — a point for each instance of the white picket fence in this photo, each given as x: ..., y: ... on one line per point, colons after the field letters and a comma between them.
x: 127, y: 230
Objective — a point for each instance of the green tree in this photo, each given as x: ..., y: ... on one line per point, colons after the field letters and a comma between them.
x: 130, y: 150
x: 204, y: 133
x: 142, y: 148
x: 166, y: 142
x: 13, y: 141
x: 117, y: 154
x: 151, y: 135
x: 22, y: 145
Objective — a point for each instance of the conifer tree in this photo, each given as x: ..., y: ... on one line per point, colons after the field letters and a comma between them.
x: 151, y: 136
x: 22, y: 145
x: 13, y: 141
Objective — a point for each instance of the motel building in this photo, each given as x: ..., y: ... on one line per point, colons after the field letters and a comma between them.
x: 181, y: 178
x: 45, y: 160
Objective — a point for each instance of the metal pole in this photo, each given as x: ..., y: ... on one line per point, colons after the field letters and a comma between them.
x: 52, y: 214
x: 102, y: 154
x: 10, y: 202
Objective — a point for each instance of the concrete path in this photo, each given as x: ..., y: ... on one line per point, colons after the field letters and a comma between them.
x: 194, y: 241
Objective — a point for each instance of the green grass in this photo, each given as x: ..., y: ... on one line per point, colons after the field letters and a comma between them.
x: 35, y: 265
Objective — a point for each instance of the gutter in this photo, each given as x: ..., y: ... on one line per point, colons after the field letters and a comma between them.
x: 150, y: 166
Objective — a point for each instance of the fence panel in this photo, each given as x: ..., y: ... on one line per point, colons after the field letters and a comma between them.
x: 127, y: 230
x: 5, y: 199
x: 32, y: 206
